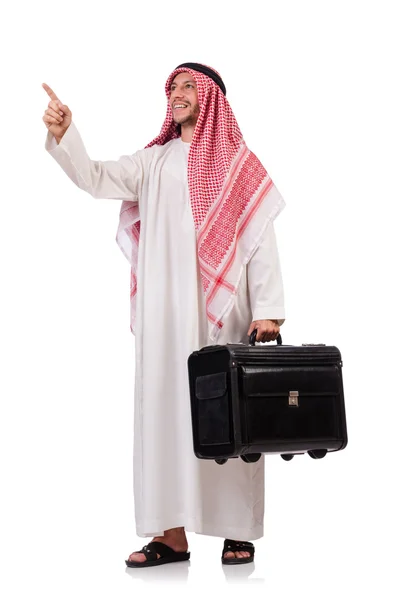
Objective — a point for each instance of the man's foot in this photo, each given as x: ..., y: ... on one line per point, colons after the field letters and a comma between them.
x: 235, y: 553
x: 174, y: 538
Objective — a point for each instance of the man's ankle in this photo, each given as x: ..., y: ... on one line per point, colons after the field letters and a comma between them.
x: 177, y: 531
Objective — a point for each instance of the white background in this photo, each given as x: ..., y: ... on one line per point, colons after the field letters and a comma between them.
x: 313, y: 87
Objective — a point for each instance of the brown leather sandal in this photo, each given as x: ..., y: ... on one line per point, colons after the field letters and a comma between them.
x: 233, y: 546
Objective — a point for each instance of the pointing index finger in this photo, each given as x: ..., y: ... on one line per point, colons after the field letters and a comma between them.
x: 51, y: 93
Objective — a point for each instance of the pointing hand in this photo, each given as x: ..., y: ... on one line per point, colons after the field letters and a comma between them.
x: 57, y: 117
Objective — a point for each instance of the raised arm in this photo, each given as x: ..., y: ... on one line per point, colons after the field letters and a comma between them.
x: 119, y: 179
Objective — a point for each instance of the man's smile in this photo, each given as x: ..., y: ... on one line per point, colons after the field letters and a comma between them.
x: 179, y: 106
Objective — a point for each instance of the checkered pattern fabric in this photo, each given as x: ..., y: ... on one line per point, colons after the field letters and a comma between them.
x: 232, y: 199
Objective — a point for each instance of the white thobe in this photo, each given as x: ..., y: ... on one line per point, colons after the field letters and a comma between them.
x: 173, y: 488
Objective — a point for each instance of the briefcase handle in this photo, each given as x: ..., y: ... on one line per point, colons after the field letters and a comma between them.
x: 252, y: 339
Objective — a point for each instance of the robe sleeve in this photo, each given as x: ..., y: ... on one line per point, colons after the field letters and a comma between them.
x: 265, y: 284
x: 117, y: 179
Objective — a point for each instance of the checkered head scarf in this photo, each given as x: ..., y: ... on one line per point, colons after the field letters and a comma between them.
x: 232, y: 197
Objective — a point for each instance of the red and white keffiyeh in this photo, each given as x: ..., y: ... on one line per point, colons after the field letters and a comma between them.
x: 232, y: 197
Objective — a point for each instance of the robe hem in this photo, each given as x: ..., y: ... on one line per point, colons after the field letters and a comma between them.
x: 193, y: 526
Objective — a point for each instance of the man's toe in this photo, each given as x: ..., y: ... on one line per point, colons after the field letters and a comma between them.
x: 137, y: 557
x: 237, y: 554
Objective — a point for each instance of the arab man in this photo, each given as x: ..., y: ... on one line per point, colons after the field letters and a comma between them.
x: 196, y: 225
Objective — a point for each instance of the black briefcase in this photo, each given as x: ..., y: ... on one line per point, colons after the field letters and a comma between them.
x: 248, y: 400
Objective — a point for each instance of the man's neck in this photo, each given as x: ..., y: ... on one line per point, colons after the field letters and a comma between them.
x: 187, y: 132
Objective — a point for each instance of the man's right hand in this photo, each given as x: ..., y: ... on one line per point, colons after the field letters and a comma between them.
x: 57, y: 117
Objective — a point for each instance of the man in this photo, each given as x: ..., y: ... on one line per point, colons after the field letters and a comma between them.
x: 200, y: 207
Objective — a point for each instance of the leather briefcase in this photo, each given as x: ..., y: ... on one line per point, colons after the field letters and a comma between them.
x: 248, y: 400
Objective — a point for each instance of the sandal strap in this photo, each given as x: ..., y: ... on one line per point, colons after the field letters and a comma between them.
x: 233, y: 546
x: 149, y: 553
x: 153, y: 548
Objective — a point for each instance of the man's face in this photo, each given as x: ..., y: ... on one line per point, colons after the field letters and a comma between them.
x: 184, y: 99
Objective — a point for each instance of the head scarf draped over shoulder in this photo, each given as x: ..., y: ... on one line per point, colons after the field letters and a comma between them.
x: 233, y: 199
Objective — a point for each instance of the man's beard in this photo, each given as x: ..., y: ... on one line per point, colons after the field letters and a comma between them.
x: 192, y: 117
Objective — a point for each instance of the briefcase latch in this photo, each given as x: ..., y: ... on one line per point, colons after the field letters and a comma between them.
x: 293, y: 399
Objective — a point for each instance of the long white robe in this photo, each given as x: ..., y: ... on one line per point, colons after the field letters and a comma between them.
x: 173, y: 488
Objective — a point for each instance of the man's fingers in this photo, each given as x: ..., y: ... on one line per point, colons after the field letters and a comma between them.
x: 267, y: 330
x: 251, y: 329
x: 56, y: 103
x: 55, y: 107
x: 50, y: 92
x: 60, y: 108
x: 48, y: 119
x: 266, y: 335
x: 65, y: 109
x: 55, y: 114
